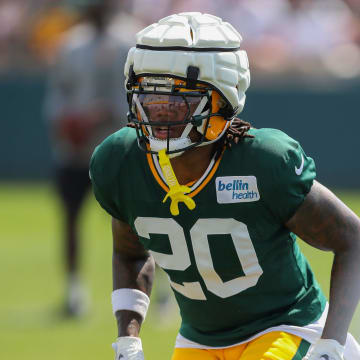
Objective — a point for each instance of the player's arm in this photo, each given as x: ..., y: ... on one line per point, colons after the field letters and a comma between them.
x: 325, y: 222
x: 133, y: 272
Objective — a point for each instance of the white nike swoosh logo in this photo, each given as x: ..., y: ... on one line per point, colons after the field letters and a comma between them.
x: 299, y: 170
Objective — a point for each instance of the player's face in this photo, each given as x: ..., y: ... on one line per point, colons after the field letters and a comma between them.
x: 161, y: 110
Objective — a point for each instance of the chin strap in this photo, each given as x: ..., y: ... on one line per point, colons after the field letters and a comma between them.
x: 177, y: 192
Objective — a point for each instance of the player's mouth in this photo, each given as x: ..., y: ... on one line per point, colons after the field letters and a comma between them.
x: 163, y: 132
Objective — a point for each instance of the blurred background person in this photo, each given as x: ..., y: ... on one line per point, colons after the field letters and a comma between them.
x: 47, y: 29
x: 85, y: 102
x: 13, y: 26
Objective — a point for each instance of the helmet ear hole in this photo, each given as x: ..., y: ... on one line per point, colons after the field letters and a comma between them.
x: 226, y: 112
x: 220, y: 106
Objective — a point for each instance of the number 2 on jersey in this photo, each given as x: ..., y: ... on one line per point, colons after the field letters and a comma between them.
x: 180, y: 258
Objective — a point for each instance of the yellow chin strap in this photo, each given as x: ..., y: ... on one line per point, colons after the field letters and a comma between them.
x: 177, y: 192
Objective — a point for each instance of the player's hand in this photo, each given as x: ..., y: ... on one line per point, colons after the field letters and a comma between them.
x: 325, y: 349
x: 128, y: 348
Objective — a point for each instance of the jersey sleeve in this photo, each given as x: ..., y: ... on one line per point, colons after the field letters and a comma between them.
x: 290, y: 175
x: 103, y: 177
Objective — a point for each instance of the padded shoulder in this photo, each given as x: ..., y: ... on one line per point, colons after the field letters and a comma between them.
x: 112, y: 153
x: 108, y: 166
x: 272, y: 143
x: 284, y: 171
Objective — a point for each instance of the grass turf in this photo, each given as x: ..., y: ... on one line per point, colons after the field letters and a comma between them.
x: 32, y: 281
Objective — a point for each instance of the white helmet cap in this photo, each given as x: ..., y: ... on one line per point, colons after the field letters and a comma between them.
x: 188, y: 41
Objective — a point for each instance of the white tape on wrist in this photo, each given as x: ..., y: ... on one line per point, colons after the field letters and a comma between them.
x: 130, y: 299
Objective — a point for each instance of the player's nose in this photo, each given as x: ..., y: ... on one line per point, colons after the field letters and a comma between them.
x: 162, y: 114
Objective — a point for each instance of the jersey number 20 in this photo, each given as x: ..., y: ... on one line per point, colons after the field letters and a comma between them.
x: 180, y: 258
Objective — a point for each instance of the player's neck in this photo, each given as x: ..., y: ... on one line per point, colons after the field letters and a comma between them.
x: 192, y: 164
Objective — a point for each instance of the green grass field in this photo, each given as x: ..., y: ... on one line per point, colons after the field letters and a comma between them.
x: 32, y: 282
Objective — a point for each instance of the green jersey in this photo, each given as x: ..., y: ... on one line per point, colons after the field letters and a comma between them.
x: 234, y: 267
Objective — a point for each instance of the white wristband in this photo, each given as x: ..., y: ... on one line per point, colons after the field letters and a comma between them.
x: 130, y: 299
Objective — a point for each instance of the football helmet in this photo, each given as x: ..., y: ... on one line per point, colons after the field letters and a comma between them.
x: 186, y: 80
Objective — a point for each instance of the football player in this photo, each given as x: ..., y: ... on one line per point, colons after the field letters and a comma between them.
x: 218, y: 205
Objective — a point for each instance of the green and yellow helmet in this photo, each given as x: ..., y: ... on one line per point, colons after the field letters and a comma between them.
x: 188, y: 61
